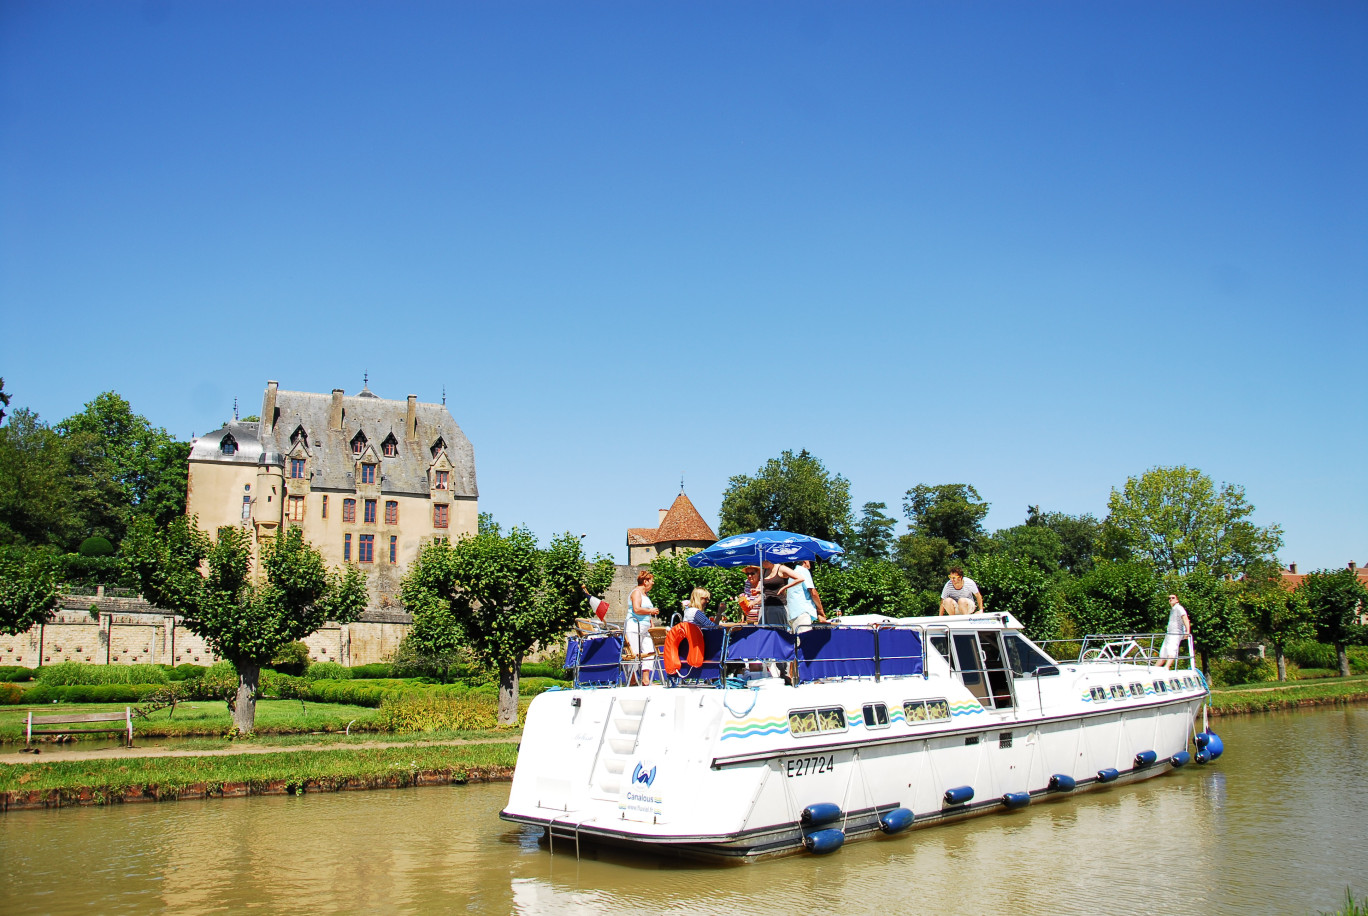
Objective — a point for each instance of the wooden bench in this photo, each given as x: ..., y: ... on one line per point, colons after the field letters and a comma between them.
x: 125, y: 726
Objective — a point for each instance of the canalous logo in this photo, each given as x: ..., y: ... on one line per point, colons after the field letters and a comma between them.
x: 642, y: 776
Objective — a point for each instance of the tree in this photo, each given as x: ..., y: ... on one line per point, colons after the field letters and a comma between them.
x: 505, y: 593
x: 1078, y: 536
x: 4, y: 400
x: 1176, y: 520
x: 675, y: 580
x: 953, y: 512
x: 1020, y: 587
x: 121, y: 460
x: 873, y: 536
x: 1116, y: 597
x: 1034, y: 544
x: 28, y: 590
x: 924, y: 561
x: 37, y: 505
x: 868, y: 586
x: 1280, y: 615
x: 1213, y: 607
x: 789, y: 493
x: 1336, y: 599
x: 244, y: 619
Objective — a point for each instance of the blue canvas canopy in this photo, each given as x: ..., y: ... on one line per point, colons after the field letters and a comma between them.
x: 774, y: 546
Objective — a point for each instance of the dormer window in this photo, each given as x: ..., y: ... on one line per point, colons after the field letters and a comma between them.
x: 438, y: 446
x: 228, y: 445
x: 299, y: 437
x: 368, y: 473
x: 390, y: 447
x: 441, y: 480
x: 358, y: 443
x: 297, y: 471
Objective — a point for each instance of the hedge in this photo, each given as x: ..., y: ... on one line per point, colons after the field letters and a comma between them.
x: 16, y: 673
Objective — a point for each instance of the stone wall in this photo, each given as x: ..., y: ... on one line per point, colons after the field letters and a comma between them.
x: 129, y: 631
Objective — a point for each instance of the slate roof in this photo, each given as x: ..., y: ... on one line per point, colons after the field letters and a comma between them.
x: 681, y: 523
x: 329, y: 451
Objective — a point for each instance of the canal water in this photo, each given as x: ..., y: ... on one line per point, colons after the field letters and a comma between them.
x: 1278, y: 825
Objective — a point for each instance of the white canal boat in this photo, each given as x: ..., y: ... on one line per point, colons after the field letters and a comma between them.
x: 892, y: 724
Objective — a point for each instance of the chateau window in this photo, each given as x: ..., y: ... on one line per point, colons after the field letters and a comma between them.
x: 390, y: 447
x: 439, y: 515
x: 228, y: 445
x: 437, y: 446
x: 296, y: 508
x: 365, y: 549
x: 368, y: 473
x: 297, y: 468
x: 325, y: 505
x: 346, y: 548
x: 370, y: 512
x: 246, y: 507
x: 358, y: 443
x: 348, y: 511
x: 441, y: 480
x: 299, y: 436
x: 394, y: 549
x: 391, y: 512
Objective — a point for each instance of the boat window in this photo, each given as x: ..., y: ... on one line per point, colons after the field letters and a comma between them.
x: 1118, y: 691
x: 1187, y: 682
x: 940, y: 641
x: 1174, y: 684
x: 819, y: 721
x: 1004, y: 740
x: 1160, y: 687
x: 875, y: 715
x: 937, y: 709
x: 1097, y: 693
x: 1137, y: 690
x: 1022, y: 657
x: 914, y: 711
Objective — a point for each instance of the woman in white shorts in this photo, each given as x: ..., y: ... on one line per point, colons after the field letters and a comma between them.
x: 1179, y: 628
x: 640, y: 617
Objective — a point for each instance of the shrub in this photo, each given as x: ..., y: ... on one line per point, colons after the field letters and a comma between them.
x: 11, y: 694
x: 90, y: 693
x: 380, y: 670
x: 96, y: 547
x: 364, y: 693
x: 531, y: 686
x: 16, y: 673
x: 186, y: 672
x: 428, y: 711
x: 70, y: 674
x: 1229, y: 672
x: 1322, y: 655
x: 330, y: 671
x: 543, y: 669
x: 292, y: 659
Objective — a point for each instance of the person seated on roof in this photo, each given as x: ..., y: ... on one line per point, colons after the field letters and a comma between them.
x: 694, y: 608
x: 959, y: 594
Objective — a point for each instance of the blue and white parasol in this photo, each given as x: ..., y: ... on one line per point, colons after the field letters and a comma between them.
x: 774, y: 546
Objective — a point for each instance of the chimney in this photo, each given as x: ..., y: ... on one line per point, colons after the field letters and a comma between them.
x: 268, y: 409
x: 663, y: 512
x: 1292, y: 568
x: 335, y: 412
x: 411, y: 418
x: 1352, y: 566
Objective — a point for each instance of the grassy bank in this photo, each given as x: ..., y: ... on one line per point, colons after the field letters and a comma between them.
x: 66, y: 782
x: 1250, y: 698
x: 207, y: 718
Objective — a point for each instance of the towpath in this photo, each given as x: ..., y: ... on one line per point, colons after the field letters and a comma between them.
x: 73, y: 752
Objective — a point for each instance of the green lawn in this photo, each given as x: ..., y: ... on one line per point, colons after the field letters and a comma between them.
x: 207, y: 718
x: 162, y: 776
x: 1257, y: 698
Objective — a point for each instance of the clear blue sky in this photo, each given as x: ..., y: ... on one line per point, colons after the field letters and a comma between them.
x: 1034, y: 247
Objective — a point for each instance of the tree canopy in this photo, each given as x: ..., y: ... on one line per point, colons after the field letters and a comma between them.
x: 506, y: 594
x: 1336, y: 599
x: 953, y: 512
x: 1176, y: 519
x: 245, y: 619
x: 874, y: 534
x: 789, y: 493
x: 28, y: 590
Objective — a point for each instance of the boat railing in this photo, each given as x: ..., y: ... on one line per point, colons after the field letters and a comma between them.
x: 818, y: 654
x: 1119, y: 649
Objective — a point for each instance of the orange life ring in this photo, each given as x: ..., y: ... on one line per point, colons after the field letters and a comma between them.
x: 679, y: 633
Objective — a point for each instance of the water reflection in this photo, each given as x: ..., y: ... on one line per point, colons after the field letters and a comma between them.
x: 1274, y: 827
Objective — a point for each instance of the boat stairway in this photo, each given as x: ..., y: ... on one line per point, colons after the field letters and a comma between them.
x: 620, y: 736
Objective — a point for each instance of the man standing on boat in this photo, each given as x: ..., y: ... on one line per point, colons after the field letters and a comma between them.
x: 1179, y: 628
x: 955, y: 597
